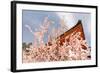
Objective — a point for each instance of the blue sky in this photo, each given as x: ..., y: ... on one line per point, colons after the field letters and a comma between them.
x: 35, y: 19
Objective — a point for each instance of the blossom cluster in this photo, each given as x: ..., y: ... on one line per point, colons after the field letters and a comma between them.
x: 74, y: 48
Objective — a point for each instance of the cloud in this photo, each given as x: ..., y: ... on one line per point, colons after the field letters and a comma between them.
x: 68, y: 18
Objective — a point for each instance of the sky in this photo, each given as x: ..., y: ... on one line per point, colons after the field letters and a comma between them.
x: 35, y: 19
